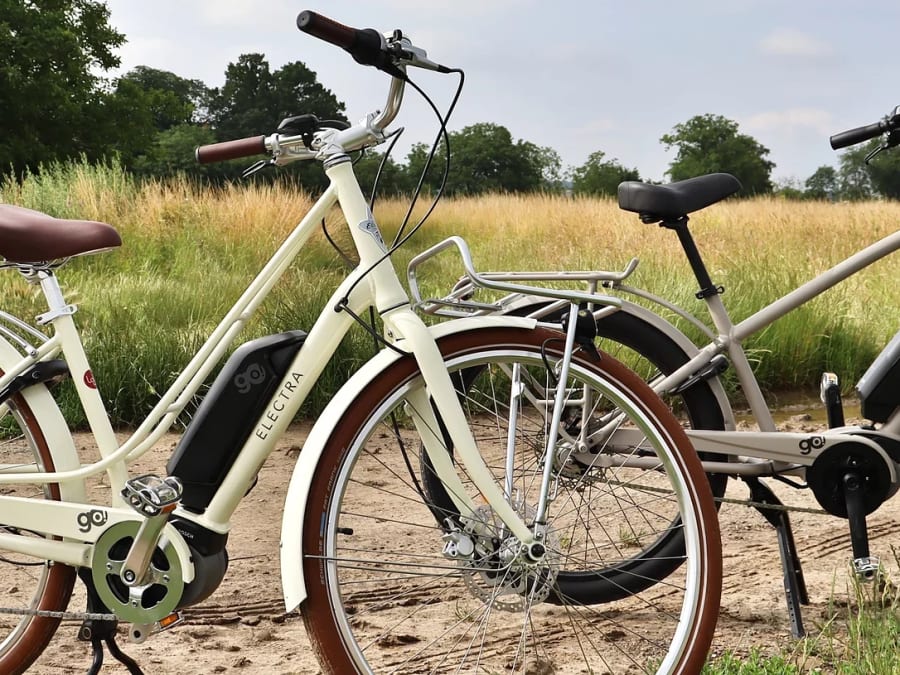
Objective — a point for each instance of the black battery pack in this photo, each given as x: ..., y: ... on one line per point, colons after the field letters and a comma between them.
x: 229, y: 411
x: 879, y: 387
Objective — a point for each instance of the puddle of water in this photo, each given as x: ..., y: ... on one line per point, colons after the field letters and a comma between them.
x: 799, y: 407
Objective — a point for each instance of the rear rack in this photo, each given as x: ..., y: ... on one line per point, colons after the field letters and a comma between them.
x: 22, y: 335
x: 459, y: 301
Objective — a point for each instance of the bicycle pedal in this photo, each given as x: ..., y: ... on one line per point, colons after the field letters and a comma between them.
x: 139, y: 632
x: 828, y: 382
x: 866, y: 569
x: 151, y: 495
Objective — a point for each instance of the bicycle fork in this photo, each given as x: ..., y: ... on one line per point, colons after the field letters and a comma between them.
x: 440, y: 390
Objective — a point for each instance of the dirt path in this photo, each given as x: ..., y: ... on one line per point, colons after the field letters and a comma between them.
x: 243, y: 626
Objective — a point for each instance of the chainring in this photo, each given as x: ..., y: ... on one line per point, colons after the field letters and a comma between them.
x: 144, y: 604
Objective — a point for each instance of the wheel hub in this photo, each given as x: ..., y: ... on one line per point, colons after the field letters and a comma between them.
x: 502, y: 571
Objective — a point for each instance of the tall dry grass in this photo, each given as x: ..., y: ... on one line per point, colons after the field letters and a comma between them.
x: 189, y: 252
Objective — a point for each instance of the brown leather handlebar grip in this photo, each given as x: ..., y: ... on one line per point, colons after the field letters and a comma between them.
x: 241, y: 147
x: 327, y: 29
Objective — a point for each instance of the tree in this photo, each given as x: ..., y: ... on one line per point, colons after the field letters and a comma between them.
x: 392, y: 180
x: 823, y: 184
x: 415, y: 164
x: 484, y: 158
x: 854, y: 179
x: 173, y: 100
x: 51, y: 94
x: 124, y: 123
x: 712, y: 143
x: 789, y: 188
x: 549, y: 163
x: 172, y: 152
x: 884, y: 173
x: 599, y: 176
x: 254, y: 100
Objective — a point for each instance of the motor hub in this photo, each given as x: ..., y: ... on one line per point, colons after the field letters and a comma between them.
x: 826, y: 476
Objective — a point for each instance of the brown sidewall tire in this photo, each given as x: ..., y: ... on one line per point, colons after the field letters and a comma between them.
x: 316, y: 609
x: 60, y: 578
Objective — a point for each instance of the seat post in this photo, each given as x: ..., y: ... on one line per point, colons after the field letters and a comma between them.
x: 55, y: 299
x: 707, y: 288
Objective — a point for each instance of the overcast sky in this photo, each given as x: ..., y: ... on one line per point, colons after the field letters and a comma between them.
x: 575, y: 75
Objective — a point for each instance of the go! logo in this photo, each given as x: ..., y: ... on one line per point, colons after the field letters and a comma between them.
x: 807, y: 445
x: 88, y: 519
x: 253, y: 375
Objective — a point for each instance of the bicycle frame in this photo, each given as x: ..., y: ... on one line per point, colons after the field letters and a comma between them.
x: 730, y: 335
x: 373, y: 283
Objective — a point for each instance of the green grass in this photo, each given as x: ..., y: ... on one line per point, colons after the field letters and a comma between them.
x: 189, y: 252
x: 860, y: 637
x: 755, y: 663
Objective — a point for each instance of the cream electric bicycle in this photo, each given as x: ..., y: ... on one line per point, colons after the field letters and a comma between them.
x: 433, y: 498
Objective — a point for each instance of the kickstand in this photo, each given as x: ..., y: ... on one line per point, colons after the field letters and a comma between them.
x: 118, y: 654
x: 98, y: 631
x: 794, y: 584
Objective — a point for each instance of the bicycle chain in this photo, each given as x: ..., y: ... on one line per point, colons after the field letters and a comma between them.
x: 771, y: 507
x: 65, y: 616
x: 724, y: 500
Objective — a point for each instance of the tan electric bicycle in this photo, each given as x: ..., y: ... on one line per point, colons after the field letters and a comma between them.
x: 432, y: 498
x: 852, y: 469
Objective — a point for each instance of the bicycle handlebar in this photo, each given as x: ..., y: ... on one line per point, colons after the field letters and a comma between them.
x: 869, y: 131
x: 857, y: 135
x: 241, y: 147
x: 367, y: 46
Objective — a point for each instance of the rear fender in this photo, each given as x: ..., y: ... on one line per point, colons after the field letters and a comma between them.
x: 53, y: 425
x: 522, y: 304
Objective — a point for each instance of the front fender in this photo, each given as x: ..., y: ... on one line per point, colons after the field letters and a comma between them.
x: 292, y: 580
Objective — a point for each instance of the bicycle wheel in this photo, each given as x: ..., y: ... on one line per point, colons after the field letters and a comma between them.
x: 651, y: 353
x: 383, y: 596
x: 29, y: 584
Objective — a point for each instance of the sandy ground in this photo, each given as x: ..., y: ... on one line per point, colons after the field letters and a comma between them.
x: 243, y: 627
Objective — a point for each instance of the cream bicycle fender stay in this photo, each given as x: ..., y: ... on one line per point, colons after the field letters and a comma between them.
x: 292, y: 524
x: 56, y: 431
x: 689, y: 348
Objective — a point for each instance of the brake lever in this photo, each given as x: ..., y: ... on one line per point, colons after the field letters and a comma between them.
x: 400, y: 48
x: 874, y: 152
x: 256, y: 167
x: 890, y: 141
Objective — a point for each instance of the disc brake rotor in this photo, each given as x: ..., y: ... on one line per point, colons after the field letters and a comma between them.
x: 500, y: 573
